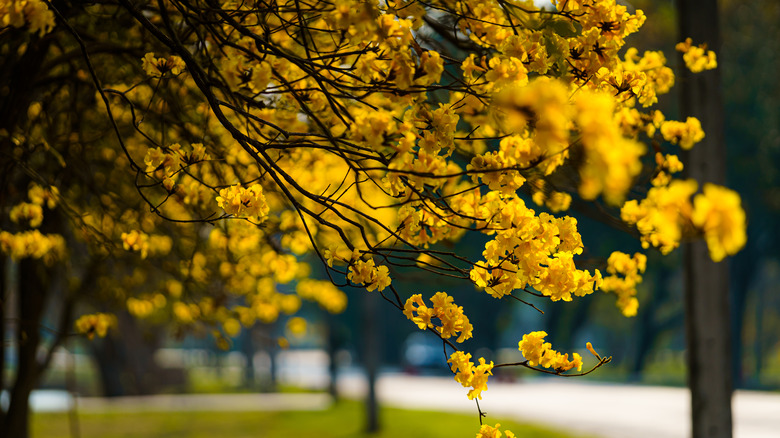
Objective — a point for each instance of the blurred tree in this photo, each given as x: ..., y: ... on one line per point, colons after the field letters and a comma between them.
x: 220, y: 143
x: 706, y: 283
x: 751, y: 49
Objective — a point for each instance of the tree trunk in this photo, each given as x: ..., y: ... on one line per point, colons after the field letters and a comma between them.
x: 248, y: 350
x: 109, y: 360
x: 650, y: 325
x: 31, y: 299
x: 706, y: 283
x: 333, y: 344
x: 371, y: 358
x: 743, y: 271
x: 4, y: 266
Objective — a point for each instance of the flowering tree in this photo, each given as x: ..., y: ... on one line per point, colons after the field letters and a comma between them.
x: 202, y: 149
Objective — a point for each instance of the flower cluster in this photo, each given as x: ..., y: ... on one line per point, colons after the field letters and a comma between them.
x: 145, y: 306
x: 324, y: 293
x: 663, y: 217
x: 486, y: 431
x: 686, y: 134
x: 452, y: 318
x: 95, y: 324
x: 35, y: 13
x: 367, y: 273
x: 625, y: 274
x: 469, y: 375
x: 553, y: 200
x: 612, y: 161
x: 146, y: 244
x: 157, y: 67
x: 666, y: 166
x: 33, y: 244
x: 531, y: 250
x: 719, y: 215
x: 31, y: 213
x: 536, y: 351
x: 697, y: 58
x: 296, y: 326
x: 244, y: 202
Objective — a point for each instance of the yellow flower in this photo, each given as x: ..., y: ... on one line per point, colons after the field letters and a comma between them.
x: 18, y: 13
x: 157, y: 67
x: 48, y: 247
x: 95, y: 324
x: 244, y: 202
x: 486, y: 431
x: 40, y: 196
x: 296, y: 326
x: 661, y: 216
x: 365, y: 272
x: 718, y: 213
x: 533, y: 346
x: 536, y: 351
x: 328, y: 296
x: 686, y: 134
x: 468, y: 375
x: 480, y: 378
x: 453, y: 320
x: 32, y: 213
x: 697, y: 58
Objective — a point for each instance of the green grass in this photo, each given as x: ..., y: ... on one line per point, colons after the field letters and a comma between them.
x: 344, y: 420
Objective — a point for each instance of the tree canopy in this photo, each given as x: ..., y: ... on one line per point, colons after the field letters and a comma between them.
x: 183, y: 159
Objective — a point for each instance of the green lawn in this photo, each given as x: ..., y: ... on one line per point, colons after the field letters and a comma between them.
x: 343, y: 420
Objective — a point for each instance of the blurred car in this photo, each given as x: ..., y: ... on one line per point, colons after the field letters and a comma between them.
x: 423, y: 353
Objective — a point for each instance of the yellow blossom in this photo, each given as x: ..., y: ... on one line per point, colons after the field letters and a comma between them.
x: 156, y: 67
x: 366, y: 273
x: 661, y: 217
x: 95, y: 324
x: 718, y: 213
x: 32, y: 213
x: 451, y: 316
x: 328, y: 296
x: 625, y: 274
x: 468, y: 375
x: 296, y: 326
x: 538, y: 352
x: 686, y: 134
x: 244, y: 202
x: 697, y: 58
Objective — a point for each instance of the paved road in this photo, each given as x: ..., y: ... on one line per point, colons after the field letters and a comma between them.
x: 609, y: 411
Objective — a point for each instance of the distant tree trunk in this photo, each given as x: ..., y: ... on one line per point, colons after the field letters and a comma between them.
x: 108, y: 355
x: 647, y: 328
x: 248, y: 350
x: 126, y: 360
x: 743, y: 270
x: 758, y: 344
x: 371, y: 358
x: 268, y: 344
x: 332, y: 343
x: 17, y: 74
x: 706, y: 283
x: 140, y: 344
x: 31, y: 299
x: 3, y: 297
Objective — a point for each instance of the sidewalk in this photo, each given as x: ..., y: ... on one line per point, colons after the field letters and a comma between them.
x: 605, y: 410
x: 59, y: 401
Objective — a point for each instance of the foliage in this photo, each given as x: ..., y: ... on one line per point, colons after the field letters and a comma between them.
x: 244, y: 137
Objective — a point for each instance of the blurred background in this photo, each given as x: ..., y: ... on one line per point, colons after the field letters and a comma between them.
x: 648, y: 349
